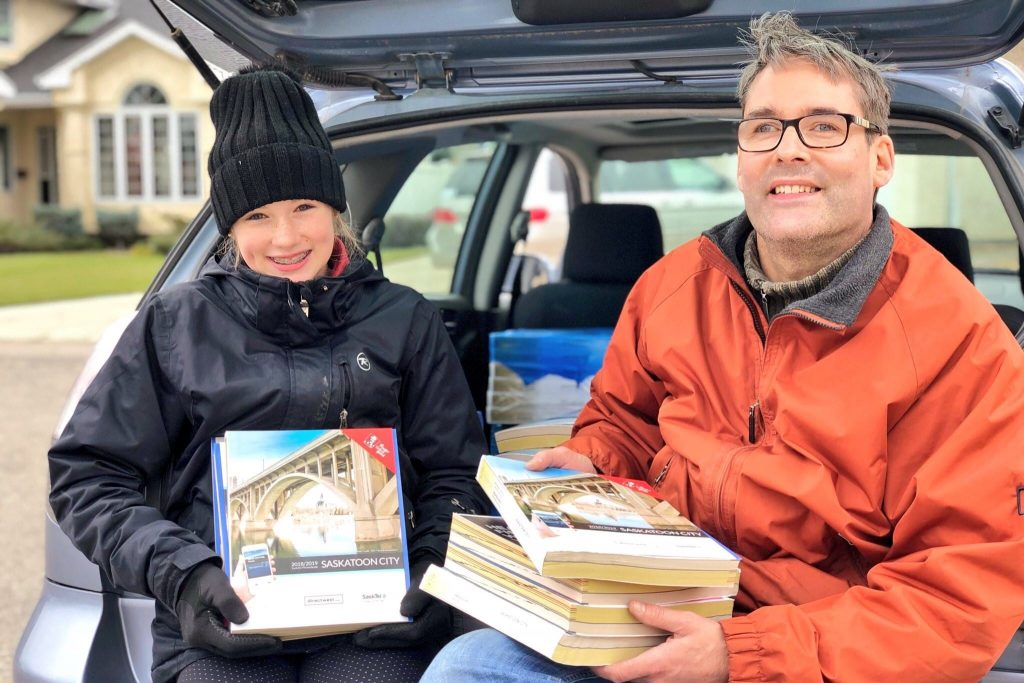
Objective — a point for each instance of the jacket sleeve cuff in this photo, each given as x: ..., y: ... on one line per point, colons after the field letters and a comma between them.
x: 743, y: 641
x: 179, y: 565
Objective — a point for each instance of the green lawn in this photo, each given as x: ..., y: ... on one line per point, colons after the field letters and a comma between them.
x: 26, y: 278
x: 396, y: 254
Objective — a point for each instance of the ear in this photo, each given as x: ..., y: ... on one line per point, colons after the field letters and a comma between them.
x: 883, y: 161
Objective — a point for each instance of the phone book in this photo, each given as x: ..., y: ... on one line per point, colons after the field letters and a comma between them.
x: 506, y: 612
x: 580, y: 525
x: 534, y: 436
x: 310, y: 525
x: 477, y: 539
x: 571, y: 615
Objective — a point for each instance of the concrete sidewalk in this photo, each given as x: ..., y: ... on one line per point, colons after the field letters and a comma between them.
x: 74, y: 320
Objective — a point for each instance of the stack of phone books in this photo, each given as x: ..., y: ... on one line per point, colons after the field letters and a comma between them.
x: 531, y: 437
x: 570, y: 550
x: 309, y: 525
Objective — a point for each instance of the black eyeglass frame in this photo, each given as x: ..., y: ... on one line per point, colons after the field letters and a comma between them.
x: 795, y: 123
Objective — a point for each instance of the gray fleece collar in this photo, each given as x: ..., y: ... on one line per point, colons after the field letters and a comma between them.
x: 842, y: 299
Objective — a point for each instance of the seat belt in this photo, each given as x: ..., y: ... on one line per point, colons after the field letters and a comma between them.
x: 372, y: 235
x: 511, y: 286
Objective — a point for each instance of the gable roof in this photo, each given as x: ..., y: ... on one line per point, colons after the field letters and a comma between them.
x: 98, y: 27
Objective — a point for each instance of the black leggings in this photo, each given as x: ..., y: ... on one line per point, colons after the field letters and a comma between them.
x: 343, y: 662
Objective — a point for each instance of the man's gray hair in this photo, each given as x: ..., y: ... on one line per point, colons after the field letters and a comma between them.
x: 774, y: 39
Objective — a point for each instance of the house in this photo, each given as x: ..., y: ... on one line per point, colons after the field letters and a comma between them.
x: 99, y: 110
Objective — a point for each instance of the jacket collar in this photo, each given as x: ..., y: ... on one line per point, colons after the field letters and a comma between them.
x: 840, y: 302
x: 274, y: 305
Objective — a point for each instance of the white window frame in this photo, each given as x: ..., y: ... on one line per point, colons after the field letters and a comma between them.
x: 146, y: 114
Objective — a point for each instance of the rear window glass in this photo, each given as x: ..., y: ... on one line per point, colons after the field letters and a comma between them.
x: 955, y: 190
x: 690, y: 194
x: 427, y: 220
x: 465, y: 179
x: 665, y: 175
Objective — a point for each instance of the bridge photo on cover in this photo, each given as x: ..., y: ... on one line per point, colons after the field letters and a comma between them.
x: 309, y: 493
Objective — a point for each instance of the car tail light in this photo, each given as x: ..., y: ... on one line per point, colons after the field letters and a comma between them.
x: 538, y: 215
x: 445, y: 216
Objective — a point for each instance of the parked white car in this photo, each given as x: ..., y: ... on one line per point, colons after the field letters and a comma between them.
x: 688, y: 194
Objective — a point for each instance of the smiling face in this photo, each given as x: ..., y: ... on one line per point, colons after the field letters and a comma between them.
x: 802, y: 198
x: 292, y: 239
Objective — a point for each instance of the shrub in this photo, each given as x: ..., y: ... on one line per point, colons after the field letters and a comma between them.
x: 118, y: 228
x: 162, y: 243
x: 405, y: 231
x: 66, y: 222
x: 18, y: 238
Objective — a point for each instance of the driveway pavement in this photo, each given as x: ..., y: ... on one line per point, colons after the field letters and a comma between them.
x: 77, y: 320
x: 42, y: 350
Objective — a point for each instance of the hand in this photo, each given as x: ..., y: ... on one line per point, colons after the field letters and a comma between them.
x: 206, y: 599
x: 561, y: 457
x: 240, y: 582
x: 432, y: 619
x: 240, y: 579
x: 694, y: 653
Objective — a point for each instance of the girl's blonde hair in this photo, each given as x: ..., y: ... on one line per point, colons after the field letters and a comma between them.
x: 342, y: 230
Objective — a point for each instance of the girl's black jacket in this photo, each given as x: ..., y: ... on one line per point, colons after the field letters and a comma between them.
x: 234, y: 350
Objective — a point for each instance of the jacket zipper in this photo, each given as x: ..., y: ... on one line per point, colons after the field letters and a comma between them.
x: 664, y: 470
x: 755, y: 408
x: 752, y: 416
x: 346, y: 396
x: 304, y: 294
x: 752, y: 308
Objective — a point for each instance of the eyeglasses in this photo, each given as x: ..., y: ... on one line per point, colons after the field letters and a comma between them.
x: 818, y: 131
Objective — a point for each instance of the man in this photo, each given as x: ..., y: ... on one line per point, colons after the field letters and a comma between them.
x: 820, y: 390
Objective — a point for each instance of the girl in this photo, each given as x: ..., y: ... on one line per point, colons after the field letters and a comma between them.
x: 288, y: 327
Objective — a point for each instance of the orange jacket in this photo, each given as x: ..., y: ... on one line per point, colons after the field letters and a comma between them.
x: 877, y: 506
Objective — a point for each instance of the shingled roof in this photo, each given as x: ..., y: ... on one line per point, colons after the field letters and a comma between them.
x: 98, y: 20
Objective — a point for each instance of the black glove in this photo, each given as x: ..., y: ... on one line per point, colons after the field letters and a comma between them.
x: 432, y: 619
x: 206, y: 599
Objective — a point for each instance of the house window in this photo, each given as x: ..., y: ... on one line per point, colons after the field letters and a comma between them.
x: 5, y: 21
x: 147, y: 150
x: 5, y: 158
x: 47, y: 136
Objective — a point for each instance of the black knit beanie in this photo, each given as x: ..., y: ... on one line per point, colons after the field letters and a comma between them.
x: 269, y: 146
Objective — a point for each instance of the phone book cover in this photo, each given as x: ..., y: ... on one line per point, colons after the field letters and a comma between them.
x: 580, y: 525
x: 310, y: 525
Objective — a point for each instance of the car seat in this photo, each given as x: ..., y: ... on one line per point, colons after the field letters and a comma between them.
x: 608, y: 247
x: 954, y: 245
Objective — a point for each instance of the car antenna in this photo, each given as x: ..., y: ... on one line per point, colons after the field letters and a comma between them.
x: 190, y: 51
x: 642, y: 68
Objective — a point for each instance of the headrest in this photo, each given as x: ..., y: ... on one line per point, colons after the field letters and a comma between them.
x: 611, y: 243
x: 951, y: 243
